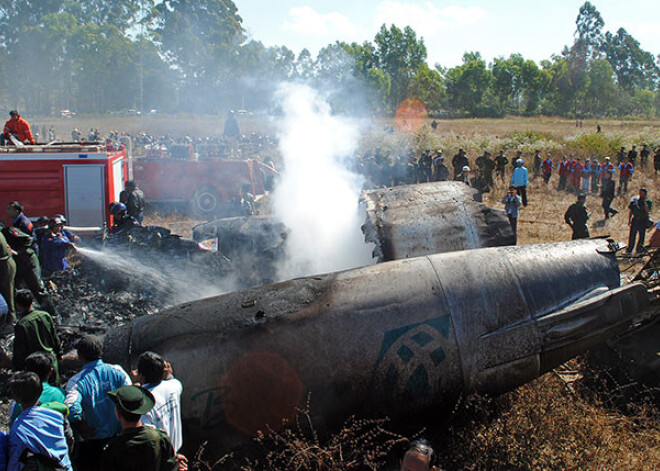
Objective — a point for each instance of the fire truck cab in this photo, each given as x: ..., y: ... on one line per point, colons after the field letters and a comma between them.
x: 77, y: 180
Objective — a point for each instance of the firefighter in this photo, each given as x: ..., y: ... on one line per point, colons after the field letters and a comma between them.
x: 28, y: 269
x: 122, y: 222
x: 55, y: 246
x: 577, y: 216
x: 133, y: 198
x: 7, y: 278
x: 17, y: 127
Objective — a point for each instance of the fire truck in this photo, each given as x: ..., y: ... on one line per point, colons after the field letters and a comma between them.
x: 81, y: 180
x: 208, y: 187
x: 77, y: 180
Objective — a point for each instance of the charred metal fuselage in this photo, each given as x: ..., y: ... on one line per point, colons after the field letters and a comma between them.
x: 388, y: 339
x: 415, y: 220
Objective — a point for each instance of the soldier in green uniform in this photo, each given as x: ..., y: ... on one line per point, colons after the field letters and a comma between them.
x: 137, y: 446
x: 35, y: 332
x: 28, y: 270
x: 7, y: 277
x: 577, y: 216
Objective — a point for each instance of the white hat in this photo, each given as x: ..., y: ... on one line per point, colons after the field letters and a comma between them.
x: 519, y: 161
x: 466, y: 169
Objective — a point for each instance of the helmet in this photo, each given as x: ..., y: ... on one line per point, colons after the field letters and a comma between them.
x: 61, y: 217
x: 520, y: 161
x: 118, y: 208
x: 466, y: 169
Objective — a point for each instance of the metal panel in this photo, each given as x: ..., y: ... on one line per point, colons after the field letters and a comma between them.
x: 84, y: 188
x: 118, y: 179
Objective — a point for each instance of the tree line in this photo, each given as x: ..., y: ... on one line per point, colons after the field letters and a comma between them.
x: 193, y: 56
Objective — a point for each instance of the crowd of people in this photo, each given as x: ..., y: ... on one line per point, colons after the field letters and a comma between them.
x: 103, y: 419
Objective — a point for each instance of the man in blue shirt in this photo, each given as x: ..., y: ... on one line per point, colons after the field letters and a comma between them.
x: 92, y: 411
x: 37, y: 435
x: 520, y: 179
x: 55, y: 245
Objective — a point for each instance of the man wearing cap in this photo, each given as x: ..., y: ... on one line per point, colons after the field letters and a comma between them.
x: 17, y: 127
x: 546, y: 168
x: 459, y: 161
x: 55, y: 246
x: 137, y: 447
x: 520, y: 179
x: 577, y: 216
x: 92, y: 411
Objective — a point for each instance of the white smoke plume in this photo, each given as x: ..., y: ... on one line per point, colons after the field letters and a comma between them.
x: 317, y: 195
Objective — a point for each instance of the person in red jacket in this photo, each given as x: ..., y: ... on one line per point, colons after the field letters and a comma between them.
x: 564, y: 172
x: 576, y: 174
x: 18, y: 127
x: 546, y: 168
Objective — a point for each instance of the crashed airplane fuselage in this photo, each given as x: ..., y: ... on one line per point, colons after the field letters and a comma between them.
x: 388, y: 339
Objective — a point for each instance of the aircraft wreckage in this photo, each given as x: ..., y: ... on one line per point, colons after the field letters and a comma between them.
x: 402, y: 222
x: 389, y: 339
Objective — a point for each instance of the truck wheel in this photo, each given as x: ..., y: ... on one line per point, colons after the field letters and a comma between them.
x: 206, y: 201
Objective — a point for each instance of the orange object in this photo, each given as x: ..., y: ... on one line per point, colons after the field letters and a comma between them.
x: 20, y: 128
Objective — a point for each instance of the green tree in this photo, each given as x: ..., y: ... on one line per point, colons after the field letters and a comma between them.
x: 602, y: 91
x: 400, y: 54
x: 199, y: 38
x: 642, y: 103
x: 635, y: 68
x: 428, y: 86
x: 588, y: 33
x: 467, y: 83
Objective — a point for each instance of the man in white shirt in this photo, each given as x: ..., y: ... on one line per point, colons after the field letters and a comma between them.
x: 155, y: 375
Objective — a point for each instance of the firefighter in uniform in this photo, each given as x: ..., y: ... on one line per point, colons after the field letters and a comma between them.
x: 28, y: 270
x: 133, y: 198
x: 577, y: 216
x: 17, y: 127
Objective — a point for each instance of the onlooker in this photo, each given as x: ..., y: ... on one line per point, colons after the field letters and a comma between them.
x: 644, y: 155
x: 156, y: 376
x: 40, y: 363
x: 137, y: 447
x: 92, y: 412
x: 34, y: 332
x: 512, y: 204
x: 607, y: 194
x: 577, y: 216
x: 37, y: 438
x: 656, y: 160
x: 520, y: 179
x: 500, y: 165
x: 639, y: 220
x: 626, y: 171
x: 418, y: 457
x: 546, y: 168
x: 564, y: 172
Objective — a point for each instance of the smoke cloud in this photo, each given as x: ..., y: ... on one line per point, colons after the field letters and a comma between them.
x: 317, y: 195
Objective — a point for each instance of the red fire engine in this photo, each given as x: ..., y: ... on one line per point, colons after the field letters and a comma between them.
x: 206, y: 186
x: 76, y: 180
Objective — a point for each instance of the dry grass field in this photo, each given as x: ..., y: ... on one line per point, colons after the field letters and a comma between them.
x: 548, y: 424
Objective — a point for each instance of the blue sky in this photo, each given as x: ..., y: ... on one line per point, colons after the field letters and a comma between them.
x: 536, y: 29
